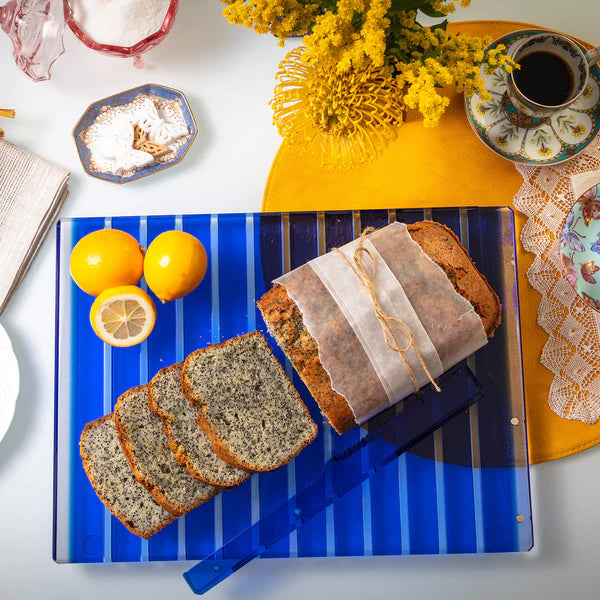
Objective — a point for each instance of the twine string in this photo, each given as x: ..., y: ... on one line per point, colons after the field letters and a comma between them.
x: 392, y: 327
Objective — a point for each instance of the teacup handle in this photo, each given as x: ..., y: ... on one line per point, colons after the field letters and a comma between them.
x: 593, y: 56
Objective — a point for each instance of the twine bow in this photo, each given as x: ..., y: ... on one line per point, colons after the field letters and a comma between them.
x: 392, y: 327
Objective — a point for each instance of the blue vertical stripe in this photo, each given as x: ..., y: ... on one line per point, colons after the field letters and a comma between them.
x: 474, y: 423
x: 233, y: 289
x: 251, y: 315
x: 422, y: 500
x: 198, y: 310
x: 457, y: 500
x: 87, y: 404
x: 385, y: 503
x: 125, y: 371
x: 315, y: 538
x: 422, y: 488
x: 348, y: 511
x: 498, y: 484
x: 277, y: 486
x: 156, y: 352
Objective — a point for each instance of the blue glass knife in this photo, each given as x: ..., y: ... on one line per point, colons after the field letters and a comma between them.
x: 388, y: 435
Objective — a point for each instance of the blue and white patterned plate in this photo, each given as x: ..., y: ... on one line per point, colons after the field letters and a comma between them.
x: 580, y: 247
x: 554, y: 140
x: 121, y: 99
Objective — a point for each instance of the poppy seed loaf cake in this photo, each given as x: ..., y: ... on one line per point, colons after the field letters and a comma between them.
x: 285, y: 321
x: 114, y: 483
x: 246, y: 403
x: 147, y: 451
x: 191, y: 446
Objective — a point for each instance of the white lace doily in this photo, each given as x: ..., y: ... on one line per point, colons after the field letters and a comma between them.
x: 572, y: 351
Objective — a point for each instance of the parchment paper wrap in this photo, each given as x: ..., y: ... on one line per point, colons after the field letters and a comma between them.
x: 339, y: 315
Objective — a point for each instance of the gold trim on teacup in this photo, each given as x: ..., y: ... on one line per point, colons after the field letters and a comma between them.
x: 549, y: 107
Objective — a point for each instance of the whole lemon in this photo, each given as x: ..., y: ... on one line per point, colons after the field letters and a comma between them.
x: 106, y: 258
x: 174, y: 265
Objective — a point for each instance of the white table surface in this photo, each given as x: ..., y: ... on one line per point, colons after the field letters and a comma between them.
x: 227, y: 73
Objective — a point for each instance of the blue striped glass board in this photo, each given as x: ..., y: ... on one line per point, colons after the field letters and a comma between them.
x: 463, y: 489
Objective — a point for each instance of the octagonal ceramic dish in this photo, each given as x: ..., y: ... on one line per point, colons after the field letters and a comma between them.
x: 157, y: 93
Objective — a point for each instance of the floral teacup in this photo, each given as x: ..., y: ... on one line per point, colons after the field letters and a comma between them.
x: 523, y: 110
x: 580, y: 247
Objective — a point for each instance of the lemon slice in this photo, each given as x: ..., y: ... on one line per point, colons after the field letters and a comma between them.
x: 123, y: 316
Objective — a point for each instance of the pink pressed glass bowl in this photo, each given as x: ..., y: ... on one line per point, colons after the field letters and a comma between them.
x: 131, y: 51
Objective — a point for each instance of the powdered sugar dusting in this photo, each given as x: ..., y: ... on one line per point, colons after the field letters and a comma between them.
x: 94, y: 137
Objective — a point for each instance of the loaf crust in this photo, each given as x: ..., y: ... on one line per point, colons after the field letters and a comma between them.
x: 285, y: 323
x: 443, y: 247
x: 219, y: 445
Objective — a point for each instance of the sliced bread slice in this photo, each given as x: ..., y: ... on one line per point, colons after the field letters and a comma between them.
x: 246, y: 403
x: 191, y: 446
x: 147, y: 451
x: 113, y: 481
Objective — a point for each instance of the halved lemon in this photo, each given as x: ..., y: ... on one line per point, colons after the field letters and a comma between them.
x: 123, y: 316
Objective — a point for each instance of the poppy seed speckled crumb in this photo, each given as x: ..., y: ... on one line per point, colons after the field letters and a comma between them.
x: 192, y: 448
x: 247, y: 404
x: 147, y: 451
x: 113, y: 481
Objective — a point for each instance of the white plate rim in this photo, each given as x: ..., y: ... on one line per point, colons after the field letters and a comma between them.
x: 9, y: 382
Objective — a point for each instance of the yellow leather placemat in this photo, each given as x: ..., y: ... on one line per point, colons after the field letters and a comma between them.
x: 442, y: 166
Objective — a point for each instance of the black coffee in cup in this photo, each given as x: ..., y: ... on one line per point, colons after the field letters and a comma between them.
x: 545, y: 78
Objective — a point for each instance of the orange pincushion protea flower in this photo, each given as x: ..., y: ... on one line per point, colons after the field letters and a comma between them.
x: 348, y: 118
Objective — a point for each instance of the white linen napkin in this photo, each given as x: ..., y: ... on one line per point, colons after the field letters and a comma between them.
x: 32, y: 192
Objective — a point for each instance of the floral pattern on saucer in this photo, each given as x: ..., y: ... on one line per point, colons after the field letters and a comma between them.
x: 545, y: 141
x: 580, y: 247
